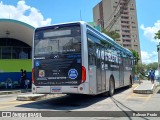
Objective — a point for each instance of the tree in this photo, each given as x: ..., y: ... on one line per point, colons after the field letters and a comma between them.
x: 157, y: 35
x: 152, y: 66
x: 136, y: 58
x: 141, y: 68
x: 136, y: 55
x: 113, y: 34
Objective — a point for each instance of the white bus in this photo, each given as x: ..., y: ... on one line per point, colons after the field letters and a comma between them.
x: 75, y: 58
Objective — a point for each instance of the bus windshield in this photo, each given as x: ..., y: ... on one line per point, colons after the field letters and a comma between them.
x: 57, y: 55
x: 58, y: 40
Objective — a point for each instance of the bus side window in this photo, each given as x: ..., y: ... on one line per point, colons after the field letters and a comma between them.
x: 91, y: 54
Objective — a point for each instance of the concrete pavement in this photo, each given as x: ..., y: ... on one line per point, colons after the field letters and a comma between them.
x: 9, y: 92
x: 27, y: 95
x: 146, y: 87
x: 30, y: 97
x: 13, y: 91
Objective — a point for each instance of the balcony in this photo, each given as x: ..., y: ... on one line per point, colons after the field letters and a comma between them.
x: 125, y: 15
x: 125, y: 28
x: 127, y: 45
x: 125, y: 33
x: 126, y: 11
x: 126, y: 39
x: 125, y: 23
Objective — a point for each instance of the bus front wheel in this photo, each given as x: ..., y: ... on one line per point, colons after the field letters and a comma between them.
x: 111, y: 87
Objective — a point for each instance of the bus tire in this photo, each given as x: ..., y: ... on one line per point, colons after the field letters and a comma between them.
x: 105, y: 94
x: 111, y: 87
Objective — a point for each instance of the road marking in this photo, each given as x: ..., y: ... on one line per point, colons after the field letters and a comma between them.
x: 13, y: 103
x: 149, y: 97
x: 140, y: 96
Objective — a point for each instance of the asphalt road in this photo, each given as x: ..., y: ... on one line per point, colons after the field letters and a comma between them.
x: 124, y: 100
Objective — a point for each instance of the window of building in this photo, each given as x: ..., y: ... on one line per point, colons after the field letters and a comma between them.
x: 124, y: 17
x: 114, y: 6
x: 133, y: 26
x: 14, y: 49
x: 126, y: 45
x: 126, y: 22
x: 133, y: 22
x: 6, y: 52
x: 126, y: 31
x: 135, y: 45
x: 126, y: 40
x: 124, y: 26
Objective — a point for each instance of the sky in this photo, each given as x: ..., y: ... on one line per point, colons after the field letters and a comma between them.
x: 46, y: 12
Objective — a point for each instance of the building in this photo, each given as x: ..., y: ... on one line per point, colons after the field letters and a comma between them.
x: 119, y: 16
x: 15, y: 51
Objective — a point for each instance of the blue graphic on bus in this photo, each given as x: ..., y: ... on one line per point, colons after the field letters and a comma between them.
x: 78, y: 60
x: 72, y: 73
x: 37, y: 63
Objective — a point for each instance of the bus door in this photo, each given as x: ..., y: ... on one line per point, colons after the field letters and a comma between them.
x: 121, y: 72
x: 103, y: 72
x: 99, y: 68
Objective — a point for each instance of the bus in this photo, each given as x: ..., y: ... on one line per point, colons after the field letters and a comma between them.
x: 75, y: 58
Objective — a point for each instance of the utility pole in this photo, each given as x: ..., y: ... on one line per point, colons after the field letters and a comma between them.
x: 158, y: 50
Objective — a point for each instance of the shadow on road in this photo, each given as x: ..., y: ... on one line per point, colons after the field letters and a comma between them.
x: 129, y: 112
x: 68, y: 102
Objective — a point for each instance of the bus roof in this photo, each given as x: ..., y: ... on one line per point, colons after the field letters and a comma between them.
x: 107, y: 38
x: 110, y: 40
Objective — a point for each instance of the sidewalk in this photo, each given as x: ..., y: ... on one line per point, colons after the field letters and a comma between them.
x: 23, y: 97
x: 13, y: 91
x: 146, y: 87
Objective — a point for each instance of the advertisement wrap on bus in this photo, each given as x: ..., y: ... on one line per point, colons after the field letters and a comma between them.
x: 76, y: 58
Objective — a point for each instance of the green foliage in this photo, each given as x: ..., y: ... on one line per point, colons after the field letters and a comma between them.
x: 105, y: 43
x: 157, y: 35
x: 136, y: 55
x: 113, y: 34
x: 143, y: 69
x: 136, y: 59
x: 152, y: 66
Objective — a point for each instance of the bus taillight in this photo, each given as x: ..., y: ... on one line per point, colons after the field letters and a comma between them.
x: 83, y: 74
x: 32, y: 75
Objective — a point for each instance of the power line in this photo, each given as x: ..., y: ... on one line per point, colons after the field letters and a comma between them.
x: 113, y: 17
x: 153, y: 56
x: 112, y: 12
x: 116, y: 16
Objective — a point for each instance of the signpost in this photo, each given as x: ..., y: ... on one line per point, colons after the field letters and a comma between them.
x: 158, y: 50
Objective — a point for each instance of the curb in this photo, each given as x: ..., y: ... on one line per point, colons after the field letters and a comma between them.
x: 15, y: 91
x: 10, y: 92
x: 145, y: 91
x: 30, y: 97
x: 37, y: 97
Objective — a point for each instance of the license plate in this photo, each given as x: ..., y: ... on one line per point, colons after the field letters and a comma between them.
x: 56, y: 90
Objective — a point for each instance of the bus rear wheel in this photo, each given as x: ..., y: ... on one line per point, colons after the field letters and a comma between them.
x: 111, y: 87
